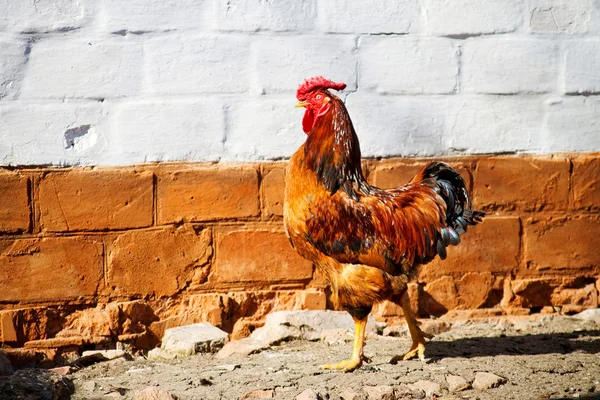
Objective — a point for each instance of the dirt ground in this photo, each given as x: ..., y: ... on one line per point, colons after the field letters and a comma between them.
x: 549, y: 357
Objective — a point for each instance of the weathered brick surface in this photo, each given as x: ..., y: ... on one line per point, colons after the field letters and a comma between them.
x: 562, y: 246
x: 244, y: 256
x: 579, y: 77
x: 522, y: 184
x: 14, y: 202
x: 394, y: 174
x: 492, y: 246
x: 158, y: 262
x: 50, y: 269
x: 572, y: 124
x: 273, y: 187
x: 585, y: 190
x: 96, y: 200
x: 193, y: 195
x: 11, y: 67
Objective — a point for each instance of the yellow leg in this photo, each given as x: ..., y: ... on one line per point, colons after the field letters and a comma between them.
x: 357, y: 351
x: 416, y: 334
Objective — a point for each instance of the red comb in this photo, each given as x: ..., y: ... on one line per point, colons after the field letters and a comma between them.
x: 315, y: 83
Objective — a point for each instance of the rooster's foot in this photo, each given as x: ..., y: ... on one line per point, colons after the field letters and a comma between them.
x: 347, y: 365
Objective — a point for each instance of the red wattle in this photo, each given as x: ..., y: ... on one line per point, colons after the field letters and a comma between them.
x: 308, y: 121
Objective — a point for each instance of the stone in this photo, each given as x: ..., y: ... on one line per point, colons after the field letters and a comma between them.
x: 45, y: 384
x: 66, y: 370
x: 181, y: 198
x: 107, y: 354
x: 487, y: 380
x: 191, y: 339
x: 14, y: 209
x: 430, y: 388
x: 312, y: 300
x: 383, y: 392
x: 456, y: 383
x: 508, y: 66
x: 96, y: 200
x: 586, y: 183
x: 153, y: 393
x: 5, y: 365
x: 491, y: 247
x: 242, y: 347
x: 159, y: 262
x: 350, y: 394
x: 589, y: 315
x: 539, y: 184
x: 259, y: 394
x: 73, y: 267
x: 309, y: 394
x: 586, y: 296
x: 89, y: 386
x: 273, y: 187
x: 160, y: 354
x: 430, y: 65
x: 336, y: 336
x: 257, y: 256
x: 561, y: 244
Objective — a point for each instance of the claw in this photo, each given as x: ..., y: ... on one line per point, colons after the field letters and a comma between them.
x: 346, y: 365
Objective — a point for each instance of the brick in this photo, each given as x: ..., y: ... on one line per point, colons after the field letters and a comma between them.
x: 72, y: 133
x: 55, y: 343
x: 45, y: 16
x: 83, y: 68
x: 207, y: 194
x: 472, y: 17
x: 257, y: 256
x: 472, y: 291
x: 556, y: 16
x: 312, y: 300
x: 12, y: 66
x: 95, y: 200
x: 273, y: 190
x: 576, y: 118
x: 562, y: 246
x: 196, y: 130
x: 50, y: 269
x: 392, y: 174
x: 492, y: 246
x: 157, y: 262
x: 286, y: 15
x: 585, y: 183
x: 393, y: 126
x: 530, y: 184
x: 14, y: 202
x: 582, y: 67
x: 211, y: 64
x: 493, y: 124
x: 275, y: 137
x: 428, y: 65
x: 8, y: 332
x: 150, y: 16
x: 283, y: 62
x: 377, y: 16
x: 507, y: 66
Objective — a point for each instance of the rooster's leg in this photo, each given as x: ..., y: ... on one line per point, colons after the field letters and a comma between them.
x: 357, y: 352
x: 418, y: 336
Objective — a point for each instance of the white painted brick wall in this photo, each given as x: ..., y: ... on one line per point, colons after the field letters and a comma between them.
x: 86, y: 82
x: 473, y: 17
x: 507, y: 66
x: 401, y: 64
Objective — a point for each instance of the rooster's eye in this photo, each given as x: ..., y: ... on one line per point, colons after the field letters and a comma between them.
x: 319, y: 97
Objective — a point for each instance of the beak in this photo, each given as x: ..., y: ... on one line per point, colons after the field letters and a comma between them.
x: 301, y: 104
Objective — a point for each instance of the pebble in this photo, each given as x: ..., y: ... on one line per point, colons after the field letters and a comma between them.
x: 309, y: 394
x: 487, y: 380
x: 456, y: 383
x: 430, y: 388
x: 153, y: 393
x: 383, y: 392
x: 350, y: 394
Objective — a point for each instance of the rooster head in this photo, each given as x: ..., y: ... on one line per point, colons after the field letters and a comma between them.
x: 314, y: 96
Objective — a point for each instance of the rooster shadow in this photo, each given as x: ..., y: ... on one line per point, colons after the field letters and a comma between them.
x: 587, y: 341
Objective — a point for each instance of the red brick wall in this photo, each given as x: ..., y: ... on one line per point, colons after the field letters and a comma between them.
x: 197, y: 242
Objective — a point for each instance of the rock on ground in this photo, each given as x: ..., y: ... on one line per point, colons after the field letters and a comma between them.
x: 191, y: 339
x: 430, y: 388
x: 592, y: 314
x: 309, y: 394
x: 153, y: 393
x: 487, y: 380
x: 456, y: 383
x: 44, y: 384
x: 380, y: 392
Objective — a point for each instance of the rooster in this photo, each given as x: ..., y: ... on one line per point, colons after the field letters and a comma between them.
x: 367, y: 241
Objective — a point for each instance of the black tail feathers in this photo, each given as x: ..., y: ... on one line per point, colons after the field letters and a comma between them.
x: 459, y: 215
